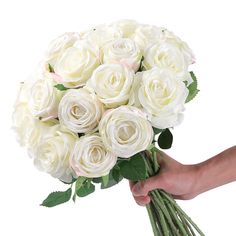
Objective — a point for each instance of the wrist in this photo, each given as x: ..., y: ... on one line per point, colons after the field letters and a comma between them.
x: 199, y: 185
x: 194, y: 175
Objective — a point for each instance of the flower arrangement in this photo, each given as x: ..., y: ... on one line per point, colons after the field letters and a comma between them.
x: 101, y: 105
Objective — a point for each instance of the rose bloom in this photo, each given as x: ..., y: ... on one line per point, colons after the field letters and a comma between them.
x: 27, y: 127
x: 100, y: 36
x: 126, y: 27
x: 52, y: 153
x: 161, y: 95
x: 125, y: 131
x: 80, y: 110
x: 165, y: 55
x: 90, y: 158
x: 168, y: 36
x: 123, y: 51
x: 112, y: 84
x: 145, y: 35
x: 43, y: 97
x: 76, y: 65
x: 57, y: 47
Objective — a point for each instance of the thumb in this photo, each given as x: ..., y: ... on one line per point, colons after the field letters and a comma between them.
x: 142, y: 188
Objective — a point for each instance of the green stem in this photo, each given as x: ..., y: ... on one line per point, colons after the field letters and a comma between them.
x: 167, y: 218
x: 155, y: 212
x: 187, y: 226
x: 156, y: 165
x: 152, y: 219
x: 178, y: 222
x: 149, y: 167
x: 182, y: 212
x: 159, y: 203
x: 163, y: 222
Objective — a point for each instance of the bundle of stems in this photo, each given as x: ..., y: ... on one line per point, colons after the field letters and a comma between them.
x: 166, y: 216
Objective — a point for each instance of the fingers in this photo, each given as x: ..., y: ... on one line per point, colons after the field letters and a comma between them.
x: 142, y: 188
x: 143, y: 200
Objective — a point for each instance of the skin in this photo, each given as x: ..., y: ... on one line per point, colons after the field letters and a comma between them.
x: 187, y: 181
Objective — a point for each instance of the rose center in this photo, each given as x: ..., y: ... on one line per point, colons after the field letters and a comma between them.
x: 77, y: 111
x: 126, y: 132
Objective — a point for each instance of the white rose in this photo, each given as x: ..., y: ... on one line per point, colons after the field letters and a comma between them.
x: 76, y: 65
x: 90, y: 158
x: 168, y: 36
x: 112, y: 84
x: 146, y: 35
x: 165, y: 55
x: 123, y: 51
x: 125, y: 131
x: 162, y: 97
x: 127, y: 27
x: 100, y: 36
x: 80, y: 110
x: 28, y: 128
x: 43, y: 97
x: 52, y: 154
x: 59, y: 45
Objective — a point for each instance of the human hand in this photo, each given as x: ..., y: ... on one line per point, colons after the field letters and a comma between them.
x: 173, y: 177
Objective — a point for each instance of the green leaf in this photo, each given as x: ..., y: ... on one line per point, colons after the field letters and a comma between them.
x: 105, y: 179
x: 116, y: 174
x: 192, y: 88
x: 61, y: 87
x: 51, y: 70
x: 79, y: 182
x: 97, y: 180
x: 165, y: 139
x: 156, y: 130
x: 86, y: 189
x: 133, y: 169
x: 114, y: 178
x: 57, y: 198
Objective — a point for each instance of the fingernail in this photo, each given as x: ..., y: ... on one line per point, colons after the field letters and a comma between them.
x: 136, y: 189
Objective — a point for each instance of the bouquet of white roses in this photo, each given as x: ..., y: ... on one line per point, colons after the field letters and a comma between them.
x: 99, y: 107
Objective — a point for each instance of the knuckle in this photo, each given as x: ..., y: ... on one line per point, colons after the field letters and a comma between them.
x: 143, y: 188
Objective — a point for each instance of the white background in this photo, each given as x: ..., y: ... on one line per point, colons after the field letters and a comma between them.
x: 26, y: 27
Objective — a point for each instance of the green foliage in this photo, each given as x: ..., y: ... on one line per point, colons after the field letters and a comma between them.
x: 134, y: 168
x: 79, y: 182
x: 97, y: 180
x: 116, y: 174
x: 61, y: 87
x: 114, y: 178
x: 165, y: 139
x: 57, y: 198
x: 156, y: 130
x: 105, y: 180
x: 78, y: 185
x: 84, y: 187
x: 193, y: 90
